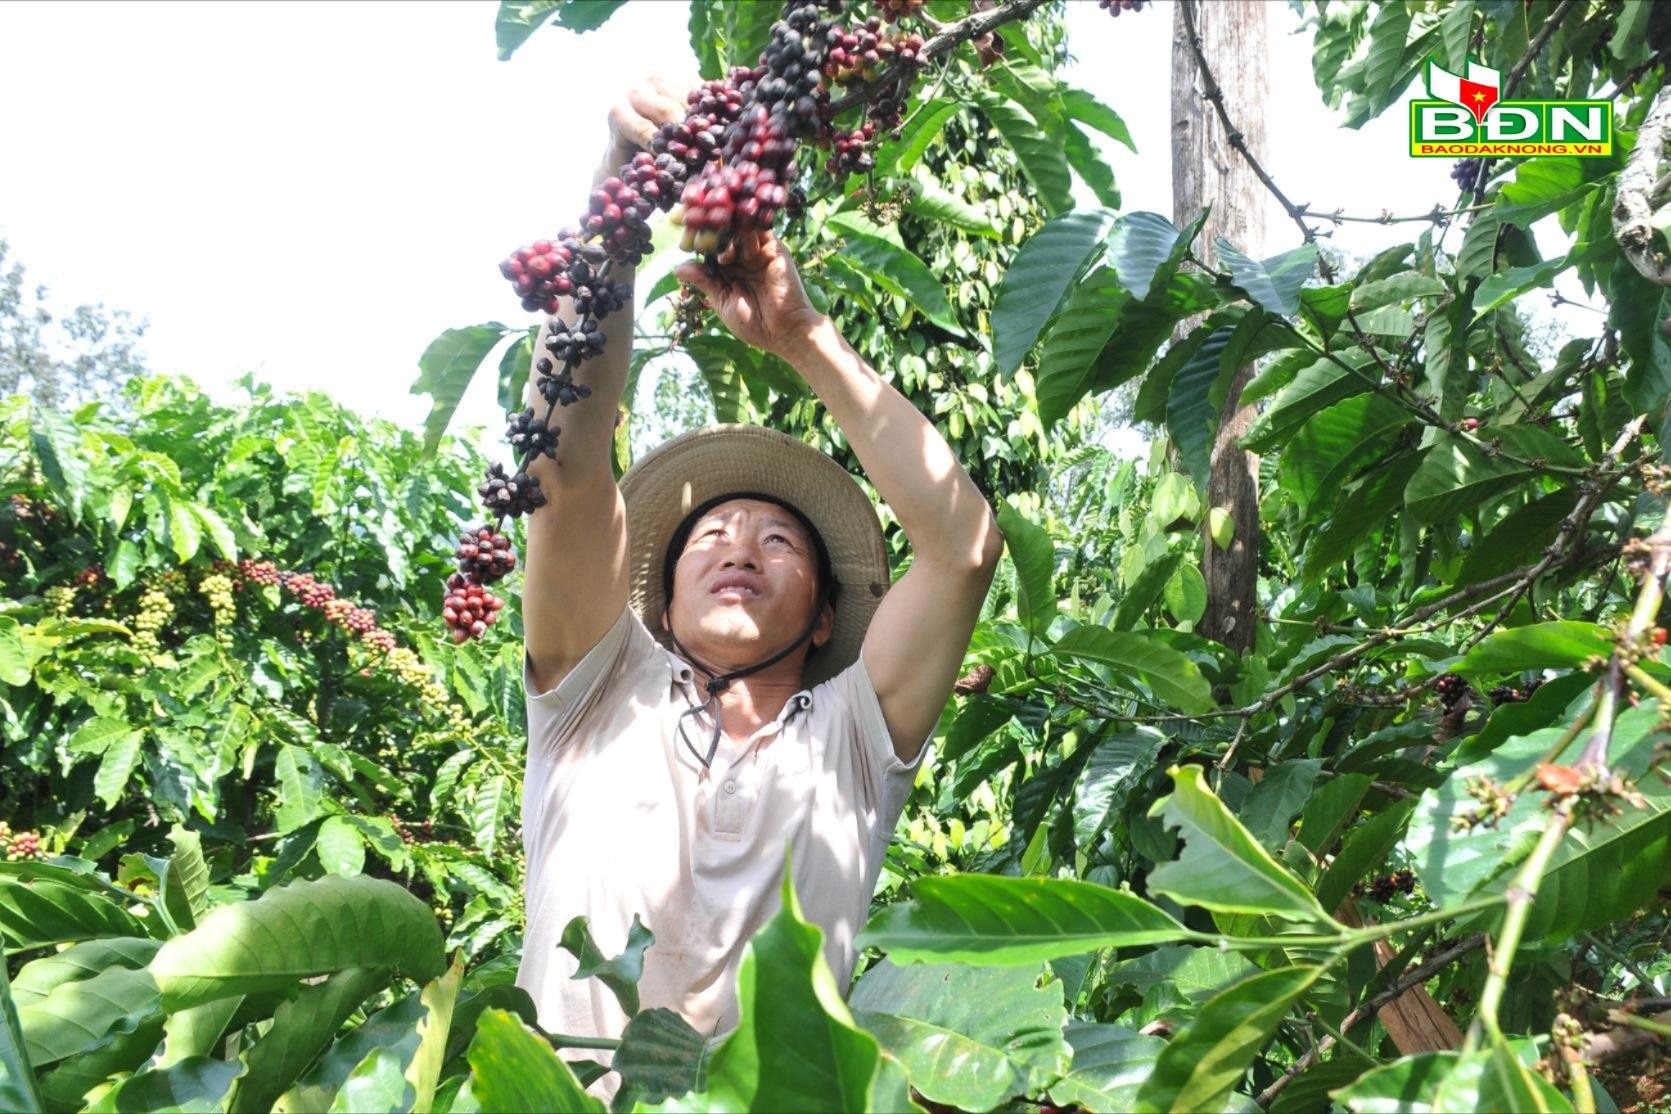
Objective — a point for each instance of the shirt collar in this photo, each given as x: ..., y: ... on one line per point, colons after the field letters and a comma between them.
x: 683, y: 674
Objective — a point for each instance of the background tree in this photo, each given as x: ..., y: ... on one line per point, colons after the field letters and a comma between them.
x: 1209, y: 176
x: 61, y: 360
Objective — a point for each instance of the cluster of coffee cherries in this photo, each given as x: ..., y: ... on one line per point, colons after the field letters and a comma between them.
x: 620, y: 217
x: 359, y: 621
x: 156, y: 611
x: 485, y: 553
x: 1514, y: 694
x: 689, y: 144
x: 60, y: 600
x: 25, y: 509
x: 1466, y: 174
x: 1451, y: 689
x: 313, y: 594
x: 546, y: 271
x: 20, y: 846
x: 308, y: 590
x: 858, y: 52
x: 750, y: 180
x: 530, y: 436
x: 540, y: 272
x: 510, y: 495
x: 216, y: 588
x: 570, y: 344
x: 1115, y: 7
x: 469, y: 608
x: 850, y: 150
x: 894, y: 10
x: 415, y: 832
x: 1384, y: 887
x: 262, y: 573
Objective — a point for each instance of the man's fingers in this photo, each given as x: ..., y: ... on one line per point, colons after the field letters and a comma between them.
x: 753, y: 248
x: 694, y: 274
x: 655, y: 105
x: 674, y: 88
x: 629, y: 124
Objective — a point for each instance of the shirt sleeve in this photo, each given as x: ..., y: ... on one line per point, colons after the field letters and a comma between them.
x: 885, y: 780
x: 619, y: 657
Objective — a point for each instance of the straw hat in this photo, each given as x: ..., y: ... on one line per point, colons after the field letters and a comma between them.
x: 687, y: 471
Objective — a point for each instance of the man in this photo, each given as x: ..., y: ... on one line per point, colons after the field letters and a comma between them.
x: 717, y: 669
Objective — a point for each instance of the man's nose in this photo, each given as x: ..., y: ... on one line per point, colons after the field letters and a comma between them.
x: 743, y: 553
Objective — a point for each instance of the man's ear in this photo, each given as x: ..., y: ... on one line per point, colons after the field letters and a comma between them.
x: 825, y: 630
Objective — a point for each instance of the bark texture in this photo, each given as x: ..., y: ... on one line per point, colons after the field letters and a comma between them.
x: 1208, y: 172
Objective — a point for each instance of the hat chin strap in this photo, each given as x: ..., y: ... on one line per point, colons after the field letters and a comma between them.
x: 719, y: 682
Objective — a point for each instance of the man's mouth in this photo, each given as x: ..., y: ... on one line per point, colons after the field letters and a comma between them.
x: 735, y: 585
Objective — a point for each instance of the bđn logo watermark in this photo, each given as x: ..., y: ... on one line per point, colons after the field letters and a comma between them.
x: 1465, y: 117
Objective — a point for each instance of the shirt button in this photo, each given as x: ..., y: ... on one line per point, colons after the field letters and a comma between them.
x: 729, y: 786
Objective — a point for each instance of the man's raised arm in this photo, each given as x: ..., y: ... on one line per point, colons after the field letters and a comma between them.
x: 575, y: 576
x: 914, y: 647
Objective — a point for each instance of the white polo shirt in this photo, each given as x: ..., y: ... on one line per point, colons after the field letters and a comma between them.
x: 619, y: 818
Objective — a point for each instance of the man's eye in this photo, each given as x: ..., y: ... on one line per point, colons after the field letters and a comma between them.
x: 711, y: 533
x: 779, y: 537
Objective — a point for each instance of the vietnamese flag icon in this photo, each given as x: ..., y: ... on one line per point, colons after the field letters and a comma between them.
x: 1477, y: 92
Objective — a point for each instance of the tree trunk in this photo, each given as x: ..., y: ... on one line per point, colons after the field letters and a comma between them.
x: 1207, y: 171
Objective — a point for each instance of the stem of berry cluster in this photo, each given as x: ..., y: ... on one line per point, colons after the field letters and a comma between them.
x: 1521, y: 894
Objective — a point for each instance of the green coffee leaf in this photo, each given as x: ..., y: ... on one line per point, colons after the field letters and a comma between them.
x: 450, y: 363
x: 1275, y: 283
x: 196, y: 1085
x: 1222, y: 867
x: 1198, y: 1068
x: 1069, y: 361
x: 513, y: 1068
x: 1174, y: 679
x: 620, y: 974
x: 1034, y: 557
x: 1039, y: 280
x: 1565, y: 643
x: 977, y: 918
x: 970, y: 1037
x: 1109, y: 1066
x: 795, y: 1046
x: 297, y: 931
x: 1145, y: 248
x: 40, y: 914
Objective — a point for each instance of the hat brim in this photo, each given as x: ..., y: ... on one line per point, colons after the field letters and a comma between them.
x: 688, y: 470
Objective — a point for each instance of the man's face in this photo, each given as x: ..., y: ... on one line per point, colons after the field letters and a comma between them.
x: 745, y: 584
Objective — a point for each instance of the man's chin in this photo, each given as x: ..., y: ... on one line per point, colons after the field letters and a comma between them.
x: 731, y: 626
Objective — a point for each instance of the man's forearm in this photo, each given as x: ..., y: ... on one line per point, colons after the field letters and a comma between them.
x: 937, y: 504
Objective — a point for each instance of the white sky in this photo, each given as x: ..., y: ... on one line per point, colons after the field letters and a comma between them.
x: 315, y: 190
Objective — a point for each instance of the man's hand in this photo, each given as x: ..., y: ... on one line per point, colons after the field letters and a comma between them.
x: 633, y: 121
x: 757, y: 292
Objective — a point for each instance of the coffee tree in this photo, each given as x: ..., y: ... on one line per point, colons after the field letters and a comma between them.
x: 1407, y: 852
